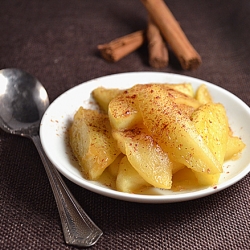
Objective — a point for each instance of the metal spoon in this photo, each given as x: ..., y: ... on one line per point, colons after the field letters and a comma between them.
x: 23, y: 101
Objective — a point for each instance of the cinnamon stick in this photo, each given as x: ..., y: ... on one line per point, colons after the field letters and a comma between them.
x: 173, y: 34
x: 121, y: 47
x: 158, y: 53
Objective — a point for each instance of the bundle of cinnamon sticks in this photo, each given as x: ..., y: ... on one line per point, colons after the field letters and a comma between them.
x: 162, y: 32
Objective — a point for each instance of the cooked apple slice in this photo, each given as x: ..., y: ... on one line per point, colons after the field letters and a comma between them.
x: 202, y: 94
x: 185, y: 88
x: 184, y: 179
x: 92, y: 142
x: 123, y: 112
x: 146, y: 156
x: 103, y: 96
x: 128, y: 180
x: 211, y: 123
x: 174, y: 131
x: 234, y: 147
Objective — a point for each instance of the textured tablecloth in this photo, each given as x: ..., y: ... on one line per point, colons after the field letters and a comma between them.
x: 57, y: 42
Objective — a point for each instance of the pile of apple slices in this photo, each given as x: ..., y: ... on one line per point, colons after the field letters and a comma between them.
x: 148, y: 134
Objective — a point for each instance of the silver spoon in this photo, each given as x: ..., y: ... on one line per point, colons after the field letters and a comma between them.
x: 23, y: 101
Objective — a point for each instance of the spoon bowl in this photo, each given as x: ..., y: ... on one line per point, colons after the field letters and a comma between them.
x: 23, y: 101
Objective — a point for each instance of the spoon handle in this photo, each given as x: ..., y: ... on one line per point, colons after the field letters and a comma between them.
x: 79, y: 230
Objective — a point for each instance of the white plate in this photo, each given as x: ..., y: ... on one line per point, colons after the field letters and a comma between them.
x: 60, y: 114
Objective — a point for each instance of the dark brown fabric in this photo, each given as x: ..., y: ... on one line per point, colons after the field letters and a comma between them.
x: 56, y: 41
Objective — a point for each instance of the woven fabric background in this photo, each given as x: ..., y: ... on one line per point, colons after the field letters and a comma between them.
x: 57, y: 42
